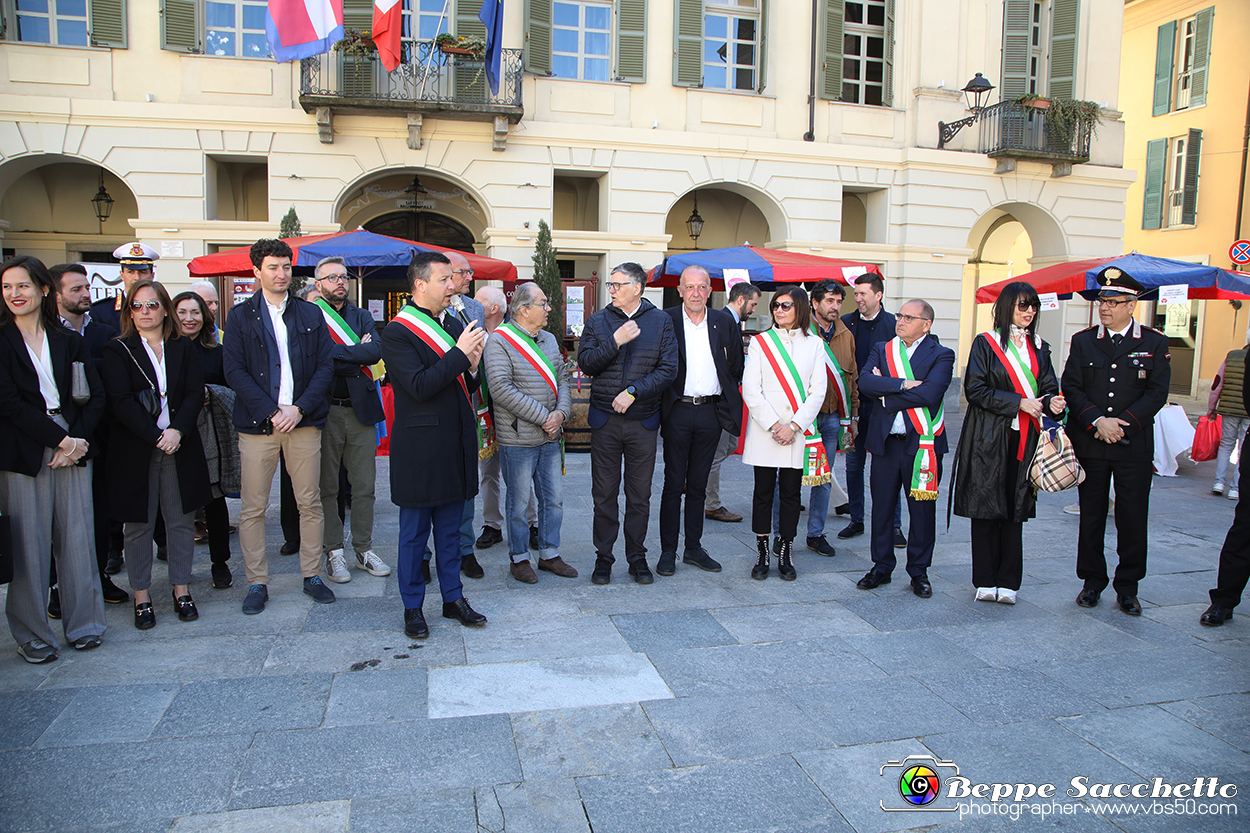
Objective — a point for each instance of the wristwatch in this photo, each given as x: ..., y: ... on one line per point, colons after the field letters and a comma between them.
x: 632, y: 391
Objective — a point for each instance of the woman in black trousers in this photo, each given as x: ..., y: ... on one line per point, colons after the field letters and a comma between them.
x: 196, y: 324
x: 1010, y: 383
x: 155, y: 456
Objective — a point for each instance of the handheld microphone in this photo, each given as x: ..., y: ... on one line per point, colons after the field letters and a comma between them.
x: 457, y: 303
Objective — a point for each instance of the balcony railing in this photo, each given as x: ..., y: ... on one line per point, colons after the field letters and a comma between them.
x: 429, y: 81
x: 1018, y: 131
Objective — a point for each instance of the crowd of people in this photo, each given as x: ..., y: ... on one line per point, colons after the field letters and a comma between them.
x: 142, y: 414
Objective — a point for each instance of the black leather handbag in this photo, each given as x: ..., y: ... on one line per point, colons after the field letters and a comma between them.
x: 150, y: 399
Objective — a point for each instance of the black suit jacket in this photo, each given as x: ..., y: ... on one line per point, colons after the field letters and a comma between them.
x: 434, y: 438
x: 725, y: 339
x: 25, y: 427
x: 349, y: 358
x: 933, y: 363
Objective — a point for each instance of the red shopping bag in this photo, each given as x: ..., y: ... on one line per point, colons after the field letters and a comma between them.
x: 1206, y: 438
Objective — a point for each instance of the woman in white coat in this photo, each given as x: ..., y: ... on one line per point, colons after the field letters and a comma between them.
x: 783, y: 387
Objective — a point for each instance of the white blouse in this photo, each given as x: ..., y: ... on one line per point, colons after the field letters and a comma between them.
x: 43, y: 369
x: 162, y: 387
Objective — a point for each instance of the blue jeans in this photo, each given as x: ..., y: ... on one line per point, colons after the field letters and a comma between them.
x: 829, y: 427
x: 855, y: 460
x: 539, y: 465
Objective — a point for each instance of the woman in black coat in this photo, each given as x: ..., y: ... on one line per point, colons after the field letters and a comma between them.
x: 159, y: 457
x: 999, y: 437
x: 46, y: 439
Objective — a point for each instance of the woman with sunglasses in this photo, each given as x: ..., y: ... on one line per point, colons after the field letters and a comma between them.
x: 47, y: 426
x: 783, y: 387
x: 1010, y: 384
x: 155, y: 391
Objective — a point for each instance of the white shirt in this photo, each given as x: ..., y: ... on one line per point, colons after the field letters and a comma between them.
x: 162, y: 386
x: 286, y: 379
x: 701, y: 378
x: 900, y: 424
x: 43, y: 369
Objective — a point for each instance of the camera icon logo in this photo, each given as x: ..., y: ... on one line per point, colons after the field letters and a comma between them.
x: 919, y: 783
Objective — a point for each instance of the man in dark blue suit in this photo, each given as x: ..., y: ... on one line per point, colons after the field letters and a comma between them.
x: 909, y: 376
x: 432, y: 365
x: 703, y: 400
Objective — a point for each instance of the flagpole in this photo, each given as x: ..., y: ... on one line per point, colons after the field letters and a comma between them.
x: 429, y: 59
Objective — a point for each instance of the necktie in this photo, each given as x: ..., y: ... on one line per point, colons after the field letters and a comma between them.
x: 1116, y: 339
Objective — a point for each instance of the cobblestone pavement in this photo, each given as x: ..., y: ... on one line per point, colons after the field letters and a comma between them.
x: 705, y: 702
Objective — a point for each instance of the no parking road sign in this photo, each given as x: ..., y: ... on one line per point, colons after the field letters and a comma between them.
x: 1239, y: 252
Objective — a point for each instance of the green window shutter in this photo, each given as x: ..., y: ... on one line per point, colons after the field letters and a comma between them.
x: 1156, y: 168
x: 688, y: 43
x: 1189, y: 196
x: 1165, y: 50
x: 470, y: 76
x: 108, y: 23
x: 887, y: 76
x: 358, y: 15
x: 538, y: 36
x: 761, y: 55
x: 1061, y: 68
x: 831, y: 50
x: 180, y: 26
x: 1202, y: 55
x: 1017, y: 25
x: 631, y: 40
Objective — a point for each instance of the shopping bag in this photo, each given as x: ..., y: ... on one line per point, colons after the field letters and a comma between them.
x: 1206, y: 438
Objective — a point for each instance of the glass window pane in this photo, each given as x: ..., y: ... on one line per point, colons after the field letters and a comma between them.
x: 854, y: 12
x: 714, y: 77
x: 850, y: 92
x: 220, y: 42
x: 255, y: 46
x: 71, y: 32
x: 432, y: 27
x: 876, y: 15
x: 713, y: 51
x: 219, y: 14
x: 598, y: 17
x: 715, y: 26
x: 872, y: 95
x: 565, y: 14
x: 432, y: 6
x: 876, y: 48
x: 745, y: 29
x: 744, y: 79
x: 850, y: 45
x: 254, y: 18
x: 745, y: 54
x: 850, y: 70
x: 596, y: 43
x: 596, y: 69
x: 564, y: 40
x: 563, y: 66
x: 873, y: 70
x: 71, y: 8
x: 33, y: 29
x: 40, y: 6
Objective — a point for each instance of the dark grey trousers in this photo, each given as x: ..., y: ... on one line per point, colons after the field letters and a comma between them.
x: 621, y: 441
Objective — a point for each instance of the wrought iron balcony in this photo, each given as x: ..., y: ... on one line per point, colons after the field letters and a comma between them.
x: 429, y: 82
x: 1010, y: 131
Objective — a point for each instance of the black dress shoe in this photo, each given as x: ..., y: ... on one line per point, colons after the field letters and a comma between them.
x: 1128, y: 604
x: 144, y: 617
x: 489, y: 537
x: 461, y: 612
x: 641, y: 573
x: 871, y: 580
x: 425, y: 570
x: 602, y: 573
x: 115, y: 562
x: 921, y: 587
x: 1216, y: 615
x: 185, y: 607
x: 113, y: 594
x: 222, y: 577
x: 667, y: 565
x: 533, y: 537
x: 470, y: 567
x: 414, y: 623
x: 900, y: 540
x: 851, y: 530
x: 844, y: 509
x: 699, y: 558
x: 818, y: 543
x: 1088, y: 598
x: 288, y: 548
x: 54, y: 603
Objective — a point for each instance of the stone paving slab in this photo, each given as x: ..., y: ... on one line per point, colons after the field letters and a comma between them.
x: 1007, y: 695
x: 264, y: 704
x: 314, y: 817
x: 376, y: 696
x: 26, y: 715
x: 595, y: 740
x: 869, y: 711
x: 110, y: 714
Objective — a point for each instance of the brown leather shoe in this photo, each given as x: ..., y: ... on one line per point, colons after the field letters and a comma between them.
x: 556, y: 565
x: 524, y: 573
x: 720, y: 513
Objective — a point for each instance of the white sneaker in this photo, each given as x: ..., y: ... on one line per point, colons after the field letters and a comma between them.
x: 1217, y: 488
x: 986, y: 594
x: 371, y: 564
x: 1005, y: 596
x: 336, y: 567
x: 1074, y: 509
x: 1233, y: 494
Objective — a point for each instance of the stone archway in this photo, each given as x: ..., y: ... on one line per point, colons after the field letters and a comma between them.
x: 733, y: 214
x: 383, y: 193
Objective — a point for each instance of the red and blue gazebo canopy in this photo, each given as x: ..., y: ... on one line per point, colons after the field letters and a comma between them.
x: 766, y: 268
x: 1080, y: 277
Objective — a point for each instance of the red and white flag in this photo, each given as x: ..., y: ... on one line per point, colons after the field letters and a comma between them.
x: 387, y: 24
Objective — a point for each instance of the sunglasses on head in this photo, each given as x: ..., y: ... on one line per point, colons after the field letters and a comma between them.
x: 139, y: 305
x: 786, y: 305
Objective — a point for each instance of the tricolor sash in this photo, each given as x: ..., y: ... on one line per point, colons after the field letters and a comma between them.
x: 524, y: 344
x: 837, y: 381
x: 815, y: 460
x: 437, y: 339
x: 1023, y: 372
x: 341, y: 333
x: 928, y: 425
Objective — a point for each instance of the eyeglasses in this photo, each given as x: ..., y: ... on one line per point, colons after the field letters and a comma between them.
x: 139, y: 305
x: 907, y: 319
x: 613, y: 287
x: 468, y: 271
x: 542, y: 304
x: 783, y: 305
x: 1025, y: 306
x: 1114, y: 302
x: 333, y: 278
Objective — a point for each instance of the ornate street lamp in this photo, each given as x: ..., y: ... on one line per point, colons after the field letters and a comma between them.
x: 102, y: 202
x: 694, y: 223
x: 975, y: 92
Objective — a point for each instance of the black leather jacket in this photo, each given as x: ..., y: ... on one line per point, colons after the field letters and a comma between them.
x: 649, y: 362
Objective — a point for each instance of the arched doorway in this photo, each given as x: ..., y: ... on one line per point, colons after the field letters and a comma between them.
x: 423, y: 227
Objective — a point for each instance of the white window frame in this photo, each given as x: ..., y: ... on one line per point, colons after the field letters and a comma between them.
x: 1174, y: 182
x: 581, y: 55
x: 238, y: 31
x: 732, y: 10
x: 1186, y: 30
x: 412, y: 25
x: 863, y: 30
x: 53, y: 17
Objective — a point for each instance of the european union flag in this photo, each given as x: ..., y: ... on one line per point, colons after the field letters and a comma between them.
x: 491, y: 16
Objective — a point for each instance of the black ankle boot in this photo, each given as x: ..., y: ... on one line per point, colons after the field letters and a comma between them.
x: 784, y: 565
x: 760, y: 570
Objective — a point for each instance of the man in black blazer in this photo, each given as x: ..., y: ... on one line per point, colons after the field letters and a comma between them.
x: 1116, y: 380
x: 432, y: 365
x: 906, y: 400
x: 703, y: 400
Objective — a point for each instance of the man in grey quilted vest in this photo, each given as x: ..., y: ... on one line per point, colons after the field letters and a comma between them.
x: 529, y: 385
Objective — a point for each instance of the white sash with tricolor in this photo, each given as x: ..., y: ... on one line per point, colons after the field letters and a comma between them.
x: 928, y: 425
x: 524, y: 344
x: 438, y: 340
x: 345, y: 335
x: 815, y: 460
x: 838, y: 383
x: 1023, y: 374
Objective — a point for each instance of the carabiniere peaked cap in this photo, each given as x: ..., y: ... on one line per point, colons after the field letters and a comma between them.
x: 1115, y: 281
